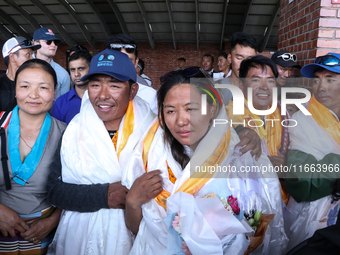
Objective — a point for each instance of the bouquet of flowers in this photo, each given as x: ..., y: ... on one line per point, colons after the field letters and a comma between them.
x: 230, y: 204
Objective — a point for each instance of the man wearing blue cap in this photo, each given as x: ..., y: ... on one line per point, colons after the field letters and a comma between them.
x: 49, y: 45
x: 95, y: 148
x: 315, y: 153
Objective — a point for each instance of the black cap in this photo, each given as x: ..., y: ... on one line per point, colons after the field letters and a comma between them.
x: 278, y: 59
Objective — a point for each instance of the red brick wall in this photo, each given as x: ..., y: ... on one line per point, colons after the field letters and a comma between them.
x: 164, y: 58
x: 298, y: 28
x: 309, y: 28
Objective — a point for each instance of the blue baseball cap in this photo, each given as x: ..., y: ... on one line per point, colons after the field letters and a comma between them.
x: 44, y: 34
x: 330, y: 62
x: 113, y: 63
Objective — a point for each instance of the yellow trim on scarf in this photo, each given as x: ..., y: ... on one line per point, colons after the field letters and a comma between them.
x: 160, y: 198
x: 273, y: 140
x: 129, y: 123
x: 198, y: 179
x: 325, y: 119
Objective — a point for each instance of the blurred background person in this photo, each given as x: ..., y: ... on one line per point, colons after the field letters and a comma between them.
x: 15, y: 52
x: 181, y: 63
x: 207, y: 64
x: 49, y: 46
x: 223, y: 64
x: 140, y: 72
x: 68, y: 105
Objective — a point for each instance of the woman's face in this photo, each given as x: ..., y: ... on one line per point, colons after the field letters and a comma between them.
x: 35, y: 91
x: 183, y: 117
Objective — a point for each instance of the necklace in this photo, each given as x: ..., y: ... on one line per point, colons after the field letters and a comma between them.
x: 29, y: 136
x: 25, y: 142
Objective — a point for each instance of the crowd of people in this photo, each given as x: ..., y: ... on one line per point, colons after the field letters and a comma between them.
x: 96, y: 161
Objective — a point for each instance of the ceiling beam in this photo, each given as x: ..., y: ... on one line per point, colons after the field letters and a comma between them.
x: 66, y: 36
x: 5, y: 18
x: 86, y: 33
x: 172, y: 24
x: 246, y: 15
x: 119, y: 16
x: 24, y: 13
x: 223, y: 22
x: 5, y: 32
x: 146, y: 23
x: 100, y: 17
x: 197, y: 24
x: 270, y: 27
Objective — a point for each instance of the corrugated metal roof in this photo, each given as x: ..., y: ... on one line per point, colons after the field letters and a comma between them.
x: 194, y: 21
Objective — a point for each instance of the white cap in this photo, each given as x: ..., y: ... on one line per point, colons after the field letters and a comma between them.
x: 17, y: 43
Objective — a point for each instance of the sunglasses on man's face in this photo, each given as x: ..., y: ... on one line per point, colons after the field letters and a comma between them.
x: 129, y: 48
x: 49, y: 42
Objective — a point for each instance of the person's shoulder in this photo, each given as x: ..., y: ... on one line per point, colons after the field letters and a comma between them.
x: 59, y: 125
x: 59, y: 68
x: 2, y: 80
x: 5, y: 79
x: 62, y: 98
x: 146, y: 88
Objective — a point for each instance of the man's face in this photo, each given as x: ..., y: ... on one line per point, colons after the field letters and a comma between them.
x: 223, y: 64
x: 131, y: 56
x: 326, y: 89
x: 181, y: 64
x: 78, y: 68
x: 46, y: 50
x: 262, y: 83
x: 284, y: 74
x: 21, y: 56
x: 138, y: 70
x: 237, y: 55
x: 207, y: 64
x: 110, y: 98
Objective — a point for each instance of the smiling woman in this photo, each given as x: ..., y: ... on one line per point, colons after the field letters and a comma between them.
x: 33, y: 138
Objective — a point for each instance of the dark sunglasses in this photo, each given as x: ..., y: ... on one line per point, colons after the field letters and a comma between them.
x: 129, y: 48
x: 188, y: 72
x: 23, y: 43
x: 49, y: 42
x: 327, y: 60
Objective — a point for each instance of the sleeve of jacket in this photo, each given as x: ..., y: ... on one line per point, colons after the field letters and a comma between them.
x: 74, y: 197
x: 310, y: 179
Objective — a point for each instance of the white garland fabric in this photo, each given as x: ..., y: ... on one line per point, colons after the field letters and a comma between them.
x: 89, y: 157
x: 152, y: 235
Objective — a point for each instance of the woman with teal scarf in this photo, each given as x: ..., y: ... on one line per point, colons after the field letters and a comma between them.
x: 27, y: 220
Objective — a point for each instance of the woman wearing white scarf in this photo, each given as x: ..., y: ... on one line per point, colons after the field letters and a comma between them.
x: 89, y: 156
x: 152, y: 235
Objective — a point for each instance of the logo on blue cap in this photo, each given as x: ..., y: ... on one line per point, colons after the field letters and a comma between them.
x: 105, y: 60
